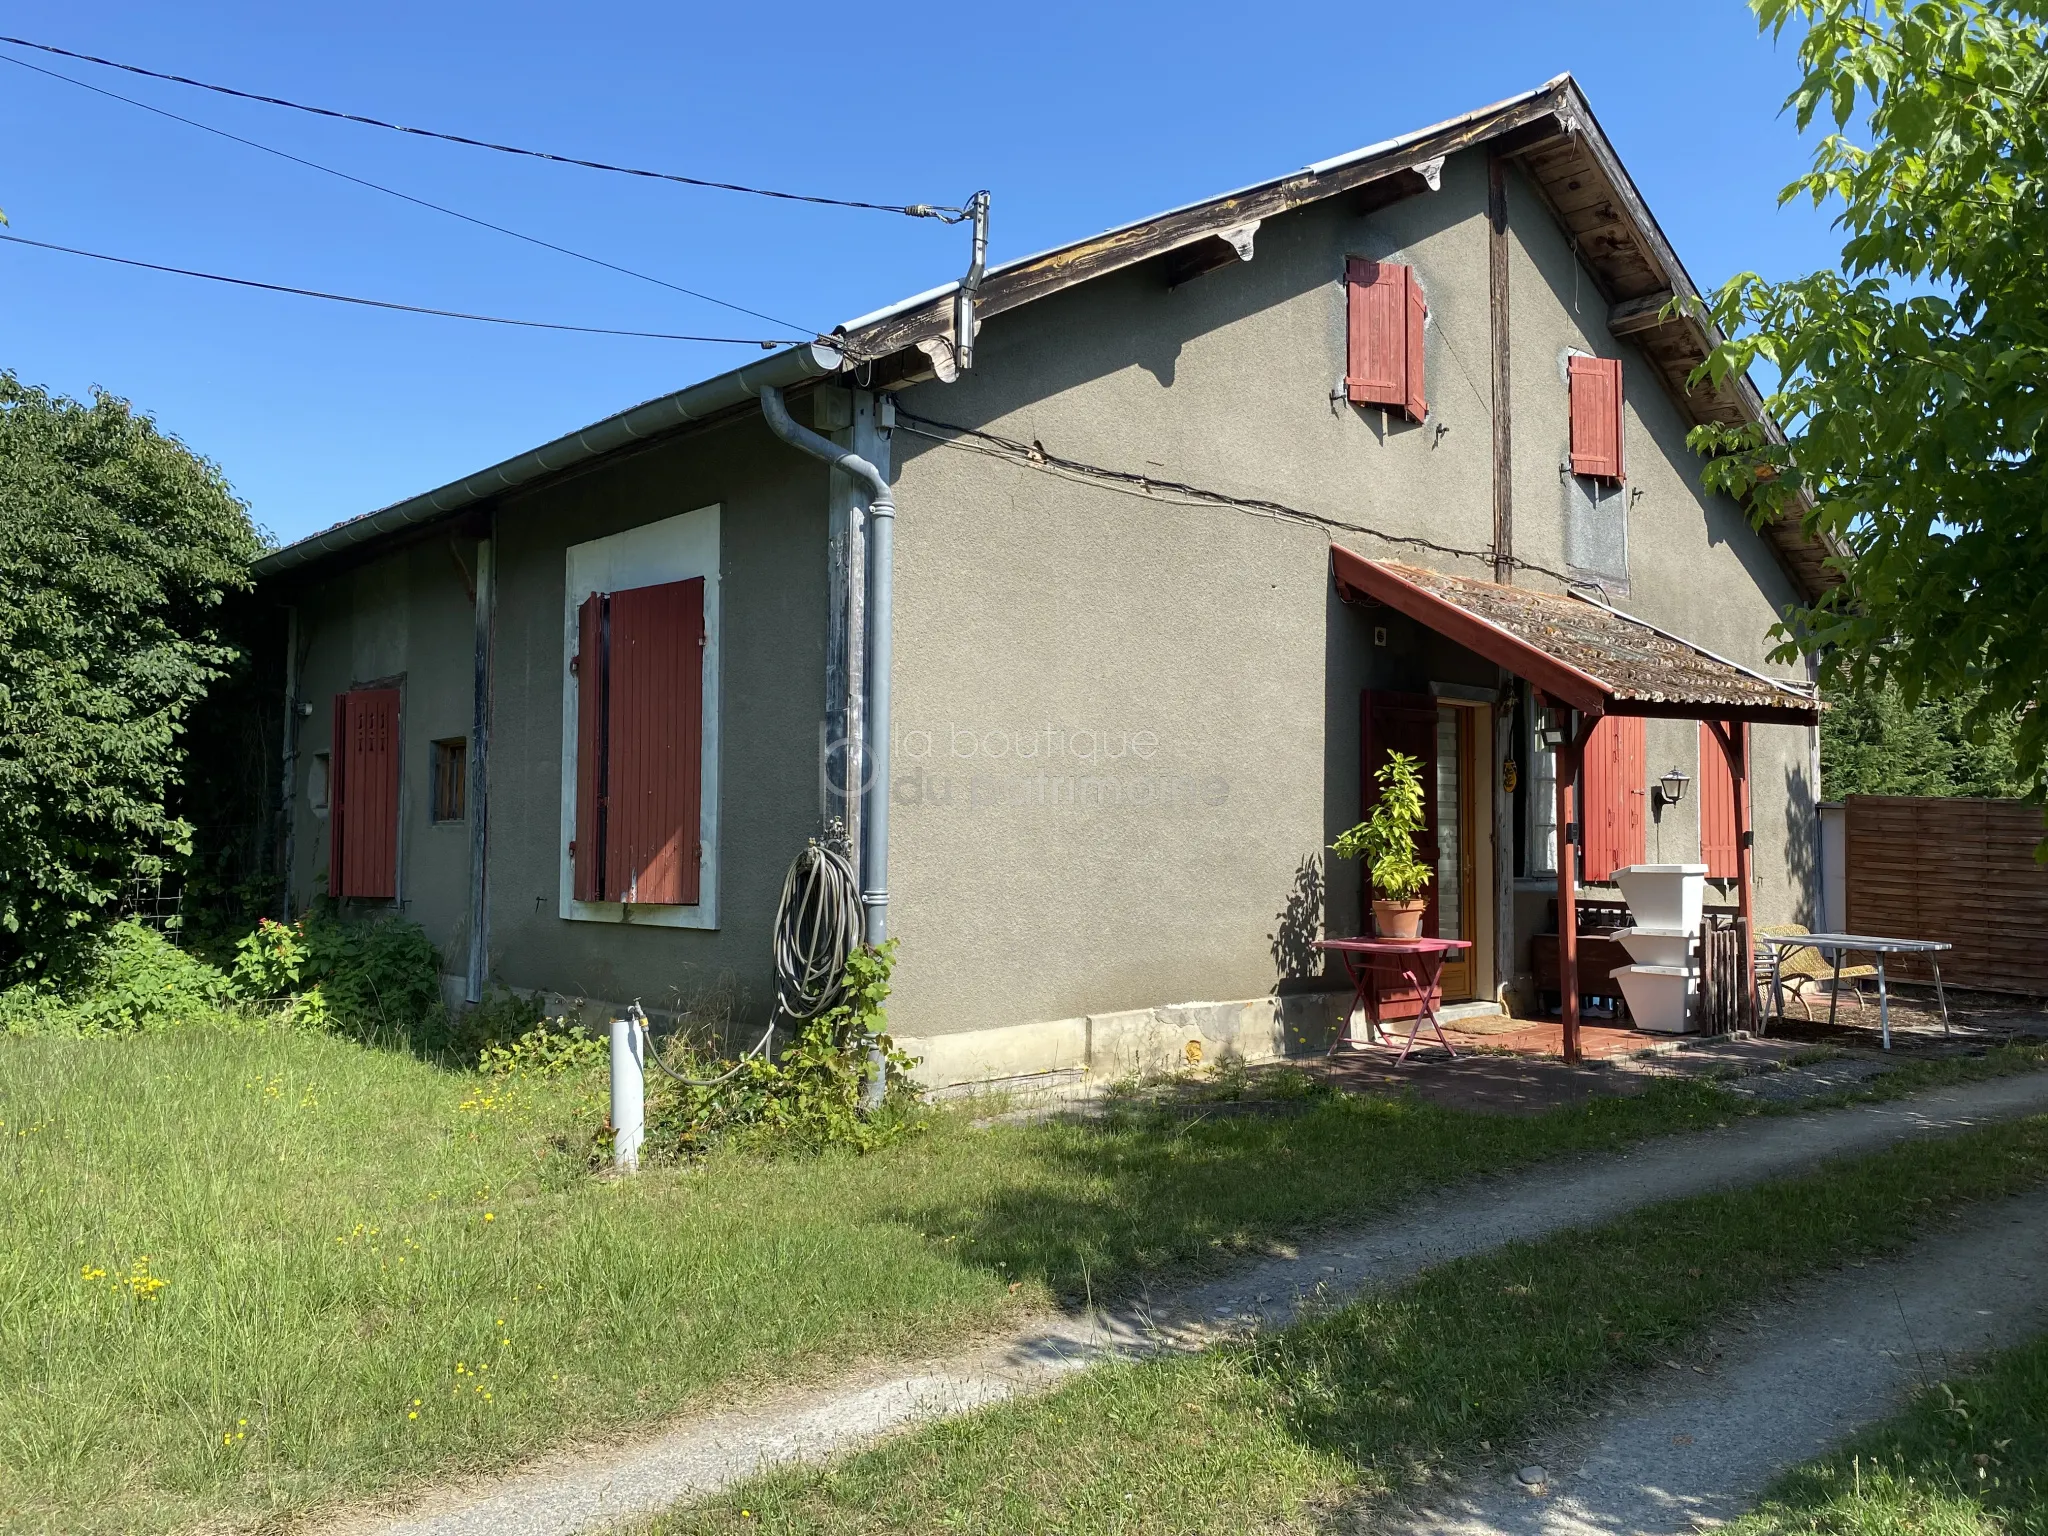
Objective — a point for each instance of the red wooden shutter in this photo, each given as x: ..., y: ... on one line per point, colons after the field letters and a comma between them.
x: 1717, y: 805
x: 1384, y: 348
x: 1596, y: 417
x: 587, y: 848
x: 1613, y: 792
x: 366, y: 807
x: 654, y: 741
x: 1417, y: 313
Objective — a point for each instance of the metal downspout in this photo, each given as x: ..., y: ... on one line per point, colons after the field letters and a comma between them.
x: 874, y: 861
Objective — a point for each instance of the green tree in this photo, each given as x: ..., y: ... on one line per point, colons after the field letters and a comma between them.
x: 1874, y: 743
x: 117, y: 546
x: 1913, y: 380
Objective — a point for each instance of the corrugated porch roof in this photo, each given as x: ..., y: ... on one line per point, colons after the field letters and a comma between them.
x: 1593, y: 658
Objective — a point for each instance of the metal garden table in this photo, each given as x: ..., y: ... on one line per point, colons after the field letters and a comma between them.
x: 1835, y: 944
x: 1421, y: 963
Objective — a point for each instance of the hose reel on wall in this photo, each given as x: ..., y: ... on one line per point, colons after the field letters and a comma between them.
x: 817, y: 928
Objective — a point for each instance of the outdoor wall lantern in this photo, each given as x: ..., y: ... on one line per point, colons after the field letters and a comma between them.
x: 1672, y: 786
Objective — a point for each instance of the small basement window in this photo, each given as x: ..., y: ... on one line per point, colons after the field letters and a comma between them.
x: 451, y: 778
x: 317, y: 782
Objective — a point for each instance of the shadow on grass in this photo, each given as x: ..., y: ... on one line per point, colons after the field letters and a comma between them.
x: 1095, y: 1209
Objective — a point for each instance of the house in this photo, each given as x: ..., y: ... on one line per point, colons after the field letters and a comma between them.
x: 1389, y: 451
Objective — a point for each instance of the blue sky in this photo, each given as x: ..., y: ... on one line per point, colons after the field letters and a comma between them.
x: 1077, y: 117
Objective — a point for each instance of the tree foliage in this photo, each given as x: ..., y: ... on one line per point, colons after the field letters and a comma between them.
x: 1913, y: 380
x: 1874, y: 743
x: 117, y: 546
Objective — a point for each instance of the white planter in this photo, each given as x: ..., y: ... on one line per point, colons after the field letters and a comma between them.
x: 1664, y: 896
x: 1660, y: 997
x: 1657, y: 946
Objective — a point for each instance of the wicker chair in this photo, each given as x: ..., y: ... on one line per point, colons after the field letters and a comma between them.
x: 1803, y: 971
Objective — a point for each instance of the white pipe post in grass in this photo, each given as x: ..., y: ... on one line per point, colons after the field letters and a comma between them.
x: 629, y: 1094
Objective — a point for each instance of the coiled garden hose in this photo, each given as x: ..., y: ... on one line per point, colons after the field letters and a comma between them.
x: 817, y: 925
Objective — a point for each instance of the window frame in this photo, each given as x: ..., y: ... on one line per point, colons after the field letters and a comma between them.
x: 439, y: 780
x: 677, y: 548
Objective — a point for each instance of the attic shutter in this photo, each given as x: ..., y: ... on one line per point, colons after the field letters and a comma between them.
x: 640, y: 745
x: 1385, y: 312
x: 1615, y: 789
x: 1596, y: 417
x: 588, y: 847
x: 1717, y: 806
x: 363, y: 796
x: 655, y: 741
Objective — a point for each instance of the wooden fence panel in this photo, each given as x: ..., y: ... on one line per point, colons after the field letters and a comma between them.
x: 1958, y: 870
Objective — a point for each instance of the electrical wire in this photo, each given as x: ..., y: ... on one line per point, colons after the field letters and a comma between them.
x: 421, y: 202
x: 914, y: 210
x: 768, y: 344
x: 1176, y: 492
x: 817, y: 928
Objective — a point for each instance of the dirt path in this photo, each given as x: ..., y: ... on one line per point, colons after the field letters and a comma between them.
x: 700, y: 1456
x: 1691, y: 1449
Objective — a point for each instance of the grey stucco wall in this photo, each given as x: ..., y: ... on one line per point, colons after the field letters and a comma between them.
x: 404, y: 618
x: 408, y: 612
x: 1031, y: 602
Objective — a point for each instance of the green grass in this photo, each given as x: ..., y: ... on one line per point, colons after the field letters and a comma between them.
x: 1966, y: 1458
x: 342, y: 1231
x: 1282, y: 1431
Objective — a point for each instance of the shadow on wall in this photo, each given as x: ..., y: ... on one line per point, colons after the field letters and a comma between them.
x: 1293, y: 941
x: 1802, y: 848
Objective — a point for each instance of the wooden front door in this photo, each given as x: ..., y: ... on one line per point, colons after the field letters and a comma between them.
x: 1439, y: 736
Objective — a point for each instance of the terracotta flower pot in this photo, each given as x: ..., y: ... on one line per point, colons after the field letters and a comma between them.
x: 1399, y: 919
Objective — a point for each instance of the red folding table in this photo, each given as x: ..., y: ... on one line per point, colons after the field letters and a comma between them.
x: 1419, y: 961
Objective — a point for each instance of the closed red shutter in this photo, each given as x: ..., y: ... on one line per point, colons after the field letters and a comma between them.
x: 655, y: 739
x: 1717, y: 805
x: 363, y: 797
x: 1384, y: 345
x: 1614, y: 792
x: 1596, y: 417
x: 640, y: 745
x: 588, y: 847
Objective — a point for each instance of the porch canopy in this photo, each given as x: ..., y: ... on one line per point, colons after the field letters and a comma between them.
x: 1590, y: 660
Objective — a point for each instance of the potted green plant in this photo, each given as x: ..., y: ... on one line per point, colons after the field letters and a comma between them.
x: 1386, y: 841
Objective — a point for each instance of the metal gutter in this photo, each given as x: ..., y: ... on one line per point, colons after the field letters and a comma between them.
x: 741, y: 386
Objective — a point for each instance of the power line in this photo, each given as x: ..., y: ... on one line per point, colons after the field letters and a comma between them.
x: 453, y: 213
x: 1176, y: 492
x: 914, y: 210
x: 767, y: 344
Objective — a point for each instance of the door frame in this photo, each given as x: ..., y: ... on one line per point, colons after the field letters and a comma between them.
x: 1461, y: 971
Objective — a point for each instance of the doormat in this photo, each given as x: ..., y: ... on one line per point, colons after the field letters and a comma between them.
x: 1489, y: 1026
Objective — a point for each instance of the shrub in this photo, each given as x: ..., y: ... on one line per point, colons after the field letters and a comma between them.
x: 117, y: 546
x: 132, y: 980
x: 378, y: 979
x: 808, y: 1098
